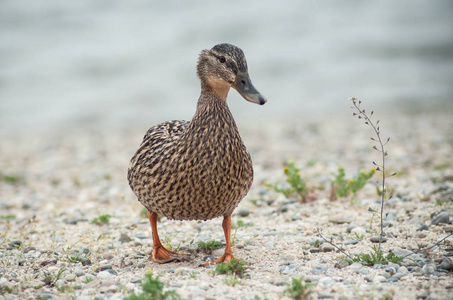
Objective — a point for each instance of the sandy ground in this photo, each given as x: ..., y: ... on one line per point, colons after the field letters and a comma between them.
x: 53, y: 186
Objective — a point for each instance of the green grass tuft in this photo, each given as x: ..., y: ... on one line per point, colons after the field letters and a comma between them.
x: 208, y: 247
x: 298, y: 289
x: 153, y: 288
x: 234, y: 267
x: 375, y: 257
x: 101, y: 220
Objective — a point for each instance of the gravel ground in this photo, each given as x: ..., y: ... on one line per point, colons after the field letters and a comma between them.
x: 53, y: 186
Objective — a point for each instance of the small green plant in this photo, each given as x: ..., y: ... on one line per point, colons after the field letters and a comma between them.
x: 375, y: 257
x: 50, y: 279
x: 297, y: 187
x: 6, y: 290
x: 234, y: 267
x: 208, y: 247
x: 298, y: 288
x: 441, y: 167
x: 88, y: 279
x: 358, y: 237
x: 153, y: 288
x: 75, y: 258
x: 7, y: 217
x: 11, y: 178
x: 144, y: 213
x: 342, y: 187
x: 241, y: 224
x: 101, y: 220
x: 231, y: 280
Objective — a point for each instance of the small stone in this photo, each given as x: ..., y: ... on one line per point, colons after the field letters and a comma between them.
x: 29, y: 249
x: 391, y: 270
x: 108, y: 256
x: 327, y: 248
x: 70, y: 277
x: 341, y: 264
x: 111, y: 271
x: 243, y: 212
x: 446, y: 264
x: 319, y: 269
x: 378, y: 279
x: 443, y: 217
x: 295, y: 218
x: 408, y: 263
x: 340, y: 219
x: 376, y: 239
x: 269, y: 244
x: 51, y: 261
x: 351, y: 227
x: 396, y: 277
x: 141, y: 236
x: 85, y: 251
x: 3, y: 282
x: 79, y: 272
x: 75, y: 220
x: 283, y: 209
x: 422, y: 227
x: 315, y: 250
x: 448, y: 228
x: 401, y: 252
x: 104, y: 267
x: 104, y: 275
x: 22, y: 262
x: 85, y: 261
x: 124, y: 238
x: 403, y: 270
x: 327, y: 281
x: 59, y: 283
x: 218, y: 252
x: 351, y: 242
x: 429, y: 268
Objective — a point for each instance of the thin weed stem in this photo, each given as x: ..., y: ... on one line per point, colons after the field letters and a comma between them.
x: 362, y: 114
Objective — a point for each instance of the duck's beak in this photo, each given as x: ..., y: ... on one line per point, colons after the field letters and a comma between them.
x: 244, y: 86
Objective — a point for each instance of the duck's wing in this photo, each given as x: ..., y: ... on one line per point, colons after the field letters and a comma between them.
x: 158, y: 143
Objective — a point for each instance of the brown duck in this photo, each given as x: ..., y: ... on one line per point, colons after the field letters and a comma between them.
x: 198, y: 170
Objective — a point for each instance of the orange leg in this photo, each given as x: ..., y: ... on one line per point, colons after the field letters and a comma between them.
x: 160, y: 253
x: 228, y: 255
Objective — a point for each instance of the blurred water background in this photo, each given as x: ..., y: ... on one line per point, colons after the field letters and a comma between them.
x: 111, y: 63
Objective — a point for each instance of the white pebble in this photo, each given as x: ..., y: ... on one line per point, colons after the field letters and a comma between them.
x: 70, y: 277
x: 378, y: 279
x: 104, y: 275
x: 359, y: 231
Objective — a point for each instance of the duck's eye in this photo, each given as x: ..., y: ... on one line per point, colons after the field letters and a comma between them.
x: 222, y: 59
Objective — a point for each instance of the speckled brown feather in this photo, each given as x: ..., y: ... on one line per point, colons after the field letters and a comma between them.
x: 196, y: 170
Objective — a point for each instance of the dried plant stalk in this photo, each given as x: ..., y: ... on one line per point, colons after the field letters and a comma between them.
x: 361, y: 114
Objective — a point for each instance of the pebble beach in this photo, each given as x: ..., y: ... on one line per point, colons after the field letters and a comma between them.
x: 55, y: 188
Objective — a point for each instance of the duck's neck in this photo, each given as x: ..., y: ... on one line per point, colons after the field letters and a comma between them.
x: 212, y: 110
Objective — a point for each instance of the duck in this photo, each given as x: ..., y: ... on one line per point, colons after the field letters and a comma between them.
x: 198, y: 169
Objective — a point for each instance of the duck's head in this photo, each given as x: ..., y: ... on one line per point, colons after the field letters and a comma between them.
x: 224, y: 66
